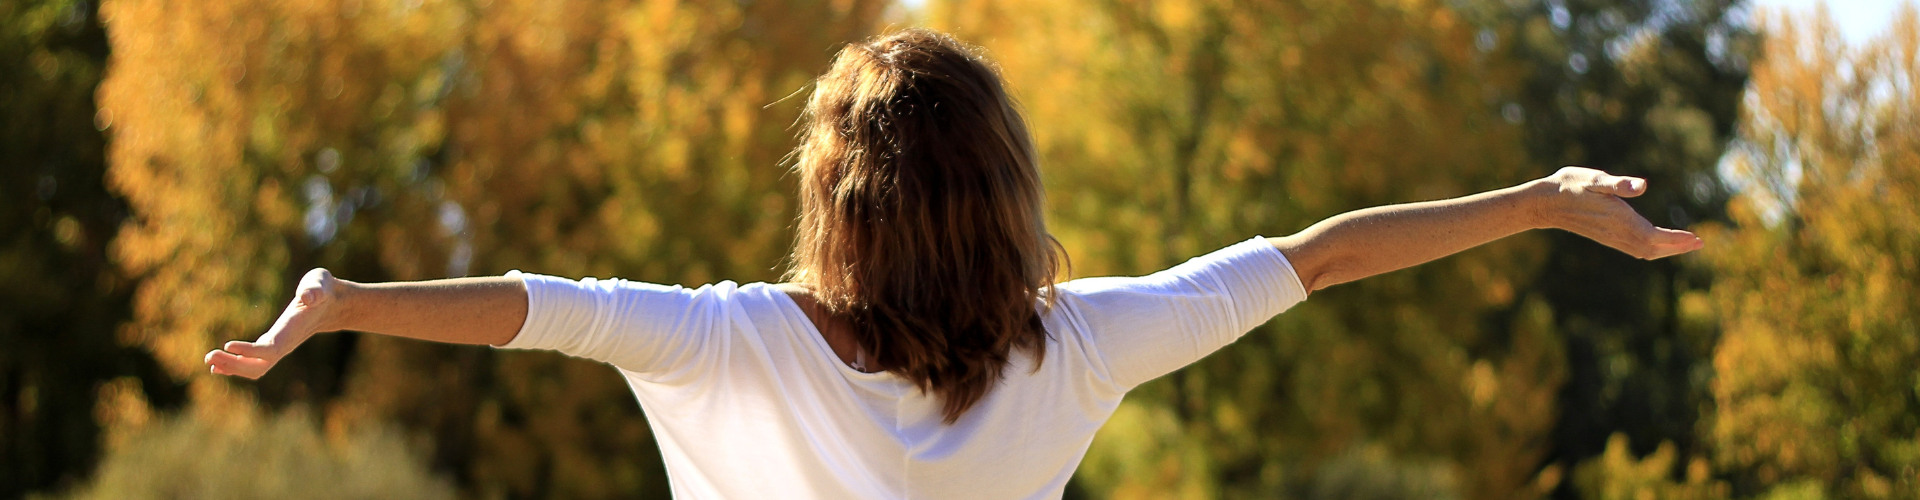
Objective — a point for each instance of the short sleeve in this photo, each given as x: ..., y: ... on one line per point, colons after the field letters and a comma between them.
x: 1141, y: 328
x: 639, y: 327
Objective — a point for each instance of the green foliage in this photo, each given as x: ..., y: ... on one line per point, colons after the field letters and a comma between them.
x: 1617, y: 475
x: 1174, y: 128
x: 1641, y: 87
x: 1374, y: 473
x: 244, y: 454
x: 1799, y: 490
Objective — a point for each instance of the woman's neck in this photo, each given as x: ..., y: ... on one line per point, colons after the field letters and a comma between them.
x: 836, y: 331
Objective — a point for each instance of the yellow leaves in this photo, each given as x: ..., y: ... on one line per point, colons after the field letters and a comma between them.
x: 177, y: 98
x: 1443, y: 20
x: 270, y: 204
x: 1245, y: 157
x: 1177, y: 16
x: 1480, y: 384
x: 1764, y: 409
x: 1814, y: 293
x: 121, y: 408
x: 67, y: 231
x: 574, y: 138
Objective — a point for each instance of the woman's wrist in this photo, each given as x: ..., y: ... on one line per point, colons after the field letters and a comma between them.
x: 328, y: 304
x: 1539, y: 200
x: 337, y: 309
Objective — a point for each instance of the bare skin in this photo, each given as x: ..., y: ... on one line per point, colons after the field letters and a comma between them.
x: 485, y: 310
x: 1377, y: 240
x: 1343, y: 248
x: 837, y: 332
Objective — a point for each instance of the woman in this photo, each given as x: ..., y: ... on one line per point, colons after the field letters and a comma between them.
x: 921, y: 348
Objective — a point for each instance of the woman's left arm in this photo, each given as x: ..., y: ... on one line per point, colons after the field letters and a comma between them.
x: 487, y: 310
x: 1372, y: 241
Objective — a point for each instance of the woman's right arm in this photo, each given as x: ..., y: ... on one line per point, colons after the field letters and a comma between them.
x: 1145, y: 327
x: 1377, y: 240
x: 486, y: 310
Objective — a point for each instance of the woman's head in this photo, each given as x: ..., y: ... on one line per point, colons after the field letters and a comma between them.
x: 920, y: 213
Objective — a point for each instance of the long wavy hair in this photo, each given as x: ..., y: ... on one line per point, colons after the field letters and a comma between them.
x: 921, y: 214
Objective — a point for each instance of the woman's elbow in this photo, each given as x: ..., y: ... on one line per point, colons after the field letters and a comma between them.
x: 1313, y: 264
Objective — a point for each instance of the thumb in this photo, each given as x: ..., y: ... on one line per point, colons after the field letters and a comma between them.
x: 251, y: 349
x: 1671, y: 242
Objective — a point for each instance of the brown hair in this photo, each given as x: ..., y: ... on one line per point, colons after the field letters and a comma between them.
x: 920, y: 214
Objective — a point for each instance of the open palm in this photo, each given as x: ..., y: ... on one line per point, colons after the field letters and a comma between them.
x: 313, y: 300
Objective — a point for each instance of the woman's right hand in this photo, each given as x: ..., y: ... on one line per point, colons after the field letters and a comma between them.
x: 1589, y: 203
x: 315, y: 309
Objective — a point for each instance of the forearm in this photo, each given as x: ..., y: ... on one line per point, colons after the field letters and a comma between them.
x: 485, y: 310
x: 459, y: 311
x: 1377, y: 240
x: 1585, y: 201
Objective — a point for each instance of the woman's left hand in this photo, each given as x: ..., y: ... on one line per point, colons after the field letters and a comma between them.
x: 315, y: 302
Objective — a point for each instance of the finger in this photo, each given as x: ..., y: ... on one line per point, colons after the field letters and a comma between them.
x: 1617, y: 226
x: 217, y: 370
x: 1675, y: 237
x: 251, y: 349
x: 312, y: 289
x: 1671, y: 242
x: 1650, y: 242
x: 229, y: 364
x: 238, y: 365
x: 225, y: 361
x: 1624, y: 187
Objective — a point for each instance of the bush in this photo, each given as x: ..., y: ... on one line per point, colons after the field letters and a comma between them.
x: 198, y: 454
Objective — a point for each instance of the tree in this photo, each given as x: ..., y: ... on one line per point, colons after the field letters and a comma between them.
x: 61, y: 300
x: 1173, y: 128
x: 410, y: 140
x: 1815, y: 394
x: 1648, y: 88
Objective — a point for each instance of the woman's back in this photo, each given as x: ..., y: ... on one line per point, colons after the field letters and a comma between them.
x: 921, y: 242
x: 747, y: 398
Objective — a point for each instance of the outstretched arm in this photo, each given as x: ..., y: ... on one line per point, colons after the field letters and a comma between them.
x: 1376, y: 240
x: 460, y: 311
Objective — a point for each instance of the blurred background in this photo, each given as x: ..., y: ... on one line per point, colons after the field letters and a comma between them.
x: 169, y: 168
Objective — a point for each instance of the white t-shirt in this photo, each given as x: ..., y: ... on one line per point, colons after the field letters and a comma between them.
x: 747, y: 400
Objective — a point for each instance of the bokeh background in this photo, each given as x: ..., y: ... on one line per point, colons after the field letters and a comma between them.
x: 168, y: 168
